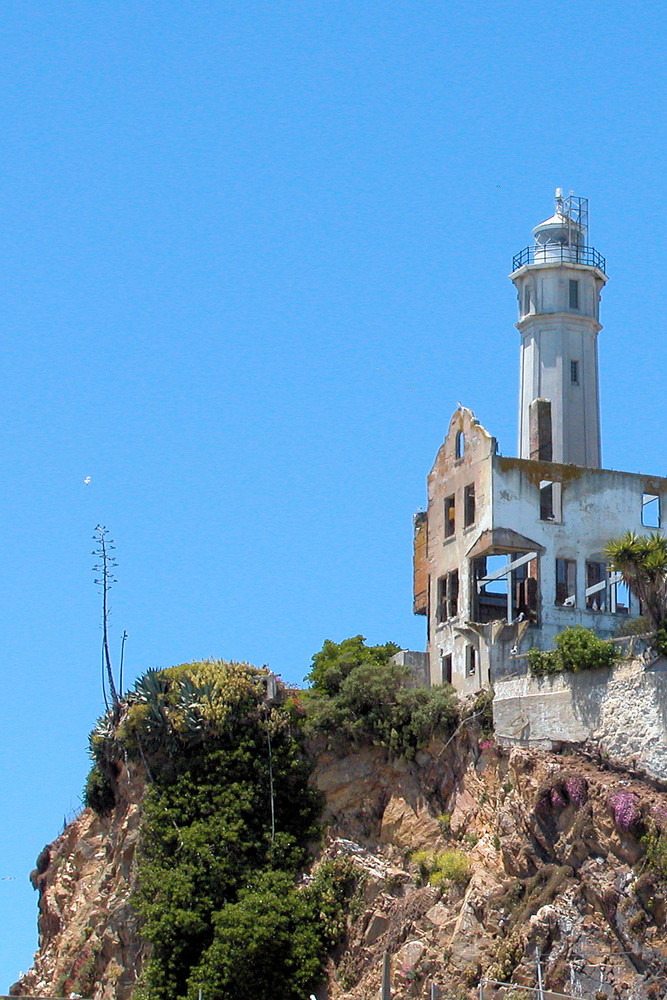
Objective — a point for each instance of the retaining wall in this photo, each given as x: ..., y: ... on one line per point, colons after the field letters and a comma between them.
x: 623, y: 710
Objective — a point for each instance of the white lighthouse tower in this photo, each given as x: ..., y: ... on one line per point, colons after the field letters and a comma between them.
x: 559, y: 279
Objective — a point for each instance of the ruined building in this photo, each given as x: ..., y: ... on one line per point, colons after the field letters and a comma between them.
x: 510, y: 550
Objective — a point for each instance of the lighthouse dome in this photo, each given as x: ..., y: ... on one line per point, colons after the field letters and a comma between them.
x: 560, y: 228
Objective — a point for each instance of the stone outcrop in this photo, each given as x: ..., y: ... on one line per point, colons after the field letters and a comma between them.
x: 88, y: 932
x: 556, y: 871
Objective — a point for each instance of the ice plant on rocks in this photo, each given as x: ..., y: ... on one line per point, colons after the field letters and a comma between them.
x: 625, y: 809
x: 577, y: 790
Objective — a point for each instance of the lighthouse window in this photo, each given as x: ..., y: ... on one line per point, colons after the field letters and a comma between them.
x: 574, y: 372
x: 574, y: 294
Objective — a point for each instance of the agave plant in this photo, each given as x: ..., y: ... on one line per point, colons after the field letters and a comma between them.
x: 102, y: 743
x: 150, y: 687
x: 193, y: 701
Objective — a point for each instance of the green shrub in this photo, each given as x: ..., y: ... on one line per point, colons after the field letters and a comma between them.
x: 634, y: 626
x: 577, y: 648
x: 99, y: 793
x: 543, y: 662
x: 336, y: 660
x: 439, y: 867
x: 273, y: 941
x: 581, y: 649
x: 655, y: 847
x: 444, y: 822
x: 206, y: 837
x: 360, y: 696
x: 660, y: 640
x: 482, y: 709
x: 226, y: 824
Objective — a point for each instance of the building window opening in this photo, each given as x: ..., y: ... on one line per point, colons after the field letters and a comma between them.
x: 650, y: 510
x: 453, y: 594
x: 597, y: 597
x: 469, y: 505
x: 448, y: 596
x: 574, y: 372
x: 550, y: 500
x: 460, y: 444
x: 445, y: 668
x: 547, y: 502
x: 450, y: 517
x: 622, y: 597
x: 574, y: 294
x: 506, y: 587
x: 471, y: 660
x: 605, y: 590
x: 566, y: 583
x: 441, y: 611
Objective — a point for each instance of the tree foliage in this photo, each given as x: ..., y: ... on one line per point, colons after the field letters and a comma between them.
x: 274, y: 940
x: 359, y: 695
x: 337, y: 660
x: 642, y: 561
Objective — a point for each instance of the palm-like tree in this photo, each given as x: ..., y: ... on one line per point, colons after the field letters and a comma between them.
x: 642, y: 561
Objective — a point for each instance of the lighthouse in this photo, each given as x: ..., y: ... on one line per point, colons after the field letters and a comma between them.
x: 558, y: 280
x: 511, y: 551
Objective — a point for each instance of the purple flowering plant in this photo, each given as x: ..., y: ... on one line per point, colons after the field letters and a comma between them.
x: 577, y: 790
x: 558, y: 800
x: 625, y: 809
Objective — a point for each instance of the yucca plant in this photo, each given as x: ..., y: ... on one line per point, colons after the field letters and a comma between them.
x: 642, y: 561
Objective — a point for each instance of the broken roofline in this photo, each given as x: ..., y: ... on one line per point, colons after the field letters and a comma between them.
x: 538, y: 471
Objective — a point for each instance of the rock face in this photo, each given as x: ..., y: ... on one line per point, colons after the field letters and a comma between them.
x: 89, y: 941
x: 556, y: 870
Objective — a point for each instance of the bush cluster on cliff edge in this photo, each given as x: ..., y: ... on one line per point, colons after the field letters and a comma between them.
x: 226, y: 824
x: 577, y: 648
x: 359, y: 695
x: 229, y: 813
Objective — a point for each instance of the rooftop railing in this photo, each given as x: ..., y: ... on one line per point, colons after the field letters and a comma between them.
x: 554, y: 253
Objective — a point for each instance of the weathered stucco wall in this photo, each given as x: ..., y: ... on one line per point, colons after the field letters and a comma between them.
x: 623, y: 710
x: 449, y: 477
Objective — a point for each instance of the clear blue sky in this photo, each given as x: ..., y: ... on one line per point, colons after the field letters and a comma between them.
x: 253, y: 253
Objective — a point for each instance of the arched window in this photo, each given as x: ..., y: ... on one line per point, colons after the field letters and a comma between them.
x: 460, y: 444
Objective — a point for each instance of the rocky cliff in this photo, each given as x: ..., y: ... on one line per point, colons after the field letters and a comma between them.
x: 558, y: 870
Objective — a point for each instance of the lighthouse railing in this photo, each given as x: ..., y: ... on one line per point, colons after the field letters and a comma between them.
x: 555, y: 253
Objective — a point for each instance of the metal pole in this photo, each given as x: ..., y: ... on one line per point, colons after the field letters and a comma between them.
x: 540, y: 992
x: 386, y: 977
x: 481, y: 989
x: 510, y: 602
